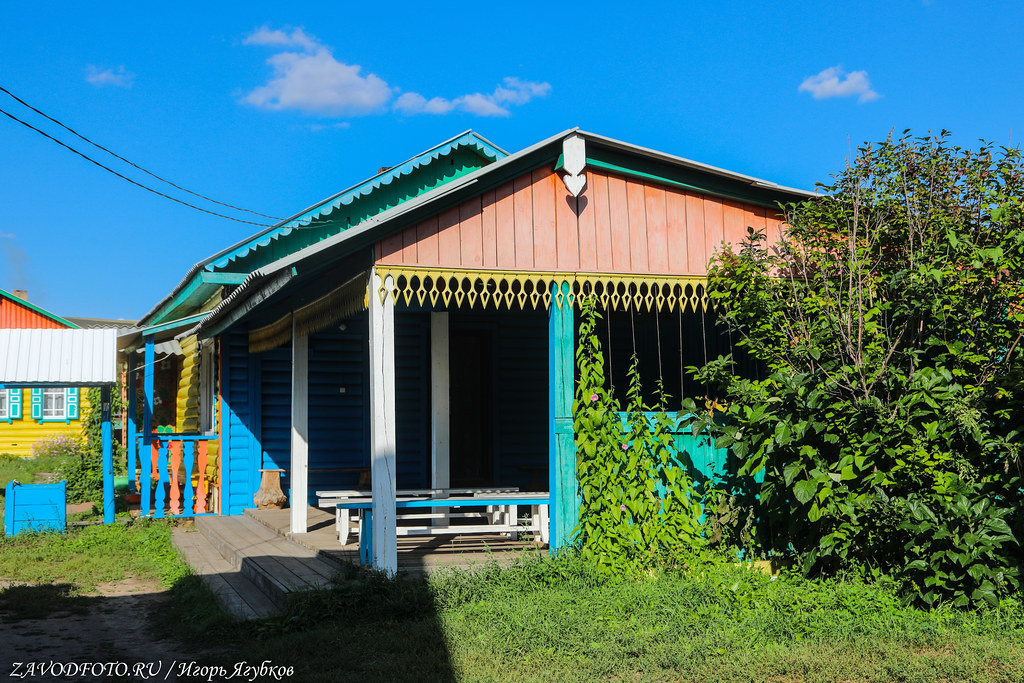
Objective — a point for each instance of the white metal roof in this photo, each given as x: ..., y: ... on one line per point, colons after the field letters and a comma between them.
x: 65, y: 357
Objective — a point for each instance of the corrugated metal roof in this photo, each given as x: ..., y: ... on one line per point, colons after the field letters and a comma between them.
x: 15, y: 312
x: 346, y: 197
x: 262, y: 239
x: 64, y: 357
x: 102, y: 323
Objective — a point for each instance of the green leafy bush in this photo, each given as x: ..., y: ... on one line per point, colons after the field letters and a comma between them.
x: 889, y: 319
x: 74, y: 463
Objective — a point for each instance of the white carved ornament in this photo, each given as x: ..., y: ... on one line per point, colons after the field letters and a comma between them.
x: 574, y: 156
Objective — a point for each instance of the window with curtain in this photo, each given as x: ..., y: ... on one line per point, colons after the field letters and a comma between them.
x: 55, y: 405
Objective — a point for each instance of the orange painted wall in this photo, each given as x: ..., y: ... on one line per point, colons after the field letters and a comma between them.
x: 624, y: 226
x: 14, y: 316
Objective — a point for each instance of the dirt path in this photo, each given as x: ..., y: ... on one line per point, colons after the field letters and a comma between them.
x: 107, y: 630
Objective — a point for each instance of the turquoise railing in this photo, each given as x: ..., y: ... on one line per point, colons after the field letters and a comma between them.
x: 172, y: 481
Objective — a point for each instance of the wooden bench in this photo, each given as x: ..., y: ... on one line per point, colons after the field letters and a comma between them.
x: 344, y: 518
x: 538, y: 522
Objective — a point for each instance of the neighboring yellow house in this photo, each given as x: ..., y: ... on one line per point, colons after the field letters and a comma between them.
x: 27, y: 415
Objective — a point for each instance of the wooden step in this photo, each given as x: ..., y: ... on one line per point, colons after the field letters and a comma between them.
x: 239, y: 596
x: 278, y: 567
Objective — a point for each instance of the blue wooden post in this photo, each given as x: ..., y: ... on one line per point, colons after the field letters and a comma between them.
x: 562, y: 448
x: 108, y: 457
x: 226, y: 415
x: 129, y: 424
x: 145, y: 457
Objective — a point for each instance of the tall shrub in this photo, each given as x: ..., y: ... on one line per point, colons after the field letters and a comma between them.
x: 890, y: 320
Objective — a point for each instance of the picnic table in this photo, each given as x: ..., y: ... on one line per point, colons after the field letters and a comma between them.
x: 345, y: 515
x: 538, y: 522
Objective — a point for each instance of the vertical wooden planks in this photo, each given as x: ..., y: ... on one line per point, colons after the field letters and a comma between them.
x: 426, y: 238
x: 657, y: 229
x: 505, y: 227
x: 567, y: 229
x: 597, y: 193
x: 773, y: 226
x: 409, y: 242
x: 734, y: 225
x: 390, y: 248
x: 637, y: 211
x: 619, y: 220
x: 696, y: 257
x: 449, y: 251
x: 545, y: 246
x: 471, y: 232
x: 675, y: 218
x: 587, y: 227
x: 522, y: 210
x: 714, y: 230
x: 617, y: 224
x: 488, y: 230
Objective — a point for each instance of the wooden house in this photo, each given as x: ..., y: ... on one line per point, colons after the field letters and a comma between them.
x: 421, y: 325
x: 30, y: 414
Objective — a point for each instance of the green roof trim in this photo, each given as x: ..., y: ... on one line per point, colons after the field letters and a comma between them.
x: 693, y: 180
x: 52, y: 316
x: 439, y: 165
x: 173, y: 324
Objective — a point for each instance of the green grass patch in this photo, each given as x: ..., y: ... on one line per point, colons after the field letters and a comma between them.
x: 538, y: 620
x: 558, y: 620
x: 24, y: 469
x: 85, y: 557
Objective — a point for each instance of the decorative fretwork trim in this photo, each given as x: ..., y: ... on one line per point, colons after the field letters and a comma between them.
x: 271, y: 336
x: 333, y: 307
x: 457, y: 287
x: 338, y: 304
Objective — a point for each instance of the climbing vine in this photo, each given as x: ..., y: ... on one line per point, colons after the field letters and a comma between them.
x: 638, y: 504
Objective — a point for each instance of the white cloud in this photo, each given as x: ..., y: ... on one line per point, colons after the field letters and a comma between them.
x: 309, y: 79
x: 835, y: 82
x: 118, y: 77
x: 278, y: 38
x: 312, y: 80
x: 317, y: 127
x: 512, y: 92
x: 317, y: 83
x: 7, y: 236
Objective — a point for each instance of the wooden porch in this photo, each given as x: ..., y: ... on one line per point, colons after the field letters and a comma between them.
x: 255, y: 565
x: 415, y: 553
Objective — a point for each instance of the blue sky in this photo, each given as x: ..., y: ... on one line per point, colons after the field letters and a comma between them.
x: 274, y: 106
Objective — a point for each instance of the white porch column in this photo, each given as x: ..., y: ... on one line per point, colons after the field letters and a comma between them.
x: 300, y: 433
x: 440, y: 413
x: 440, y: 475
x: 382, y: 424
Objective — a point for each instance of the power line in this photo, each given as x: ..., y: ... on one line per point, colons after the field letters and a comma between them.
x: 122, y: 177
x: 133, y: 165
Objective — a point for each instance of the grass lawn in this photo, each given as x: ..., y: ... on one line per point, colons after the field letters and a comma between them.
x: 541, y: 620
x: 556, y: 621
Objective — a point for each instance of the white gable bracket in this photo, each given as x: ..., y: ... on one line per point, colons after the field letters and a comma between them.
x: 574, y: 161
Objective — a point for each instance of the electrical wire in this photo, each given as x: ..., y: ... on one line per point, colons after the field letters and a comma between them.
x: 133, y: 165
x: 122, y: 177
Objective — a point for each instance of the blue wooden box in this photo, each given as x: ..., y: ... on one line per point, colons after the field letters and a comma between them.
x: 35, y: 507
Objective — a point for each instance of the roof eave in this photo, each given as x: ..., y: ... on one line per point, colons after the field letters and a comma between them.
x: 198, y: 267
